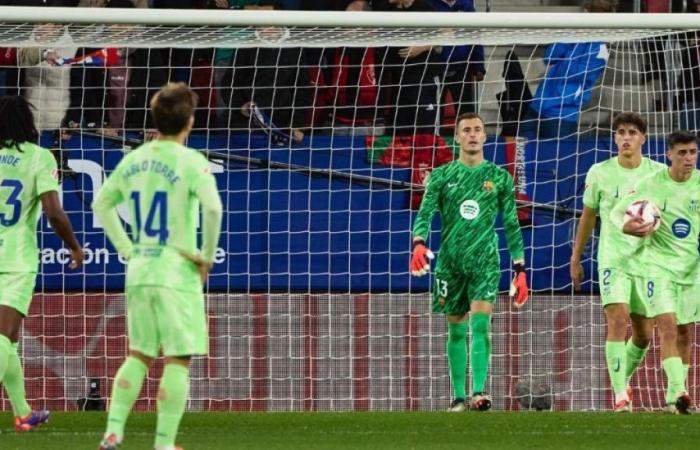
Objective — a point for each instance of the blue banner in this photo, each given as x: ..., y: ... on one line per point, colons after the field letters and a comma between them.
x: 285, y: 231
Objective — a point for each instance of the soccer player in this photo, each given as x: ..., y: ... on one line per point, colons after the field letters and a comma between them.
x: 163, y: 182
x: 469, y: 193
x: 28, y: 182
x: 606, y: 183
x: 665, y: 269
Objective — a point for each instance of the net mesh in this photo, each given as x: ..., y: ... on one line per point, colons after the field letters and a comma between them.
x: 320, y: 139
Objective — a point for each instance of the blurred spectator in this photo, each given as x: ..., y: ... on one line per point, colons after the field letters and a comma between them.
x: 344, y: 77
x: 223, y: 59
x: 194, y: 67
x: 270, y: 87
x: 414, y: 73
x: 688, y: 84
x: 111, y: 88
x: 9, y: 73
x: 573, y: 69
x: 45, y: 84
x: 464, y: 67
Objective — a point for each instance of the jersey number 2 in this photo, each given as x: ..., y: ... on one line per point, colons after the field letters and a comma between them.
x: 13, y: 201
x: 159, y: 207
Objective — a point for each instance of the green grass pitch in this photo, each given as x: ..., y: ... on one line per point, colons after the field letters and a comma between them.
x: 367, y: 431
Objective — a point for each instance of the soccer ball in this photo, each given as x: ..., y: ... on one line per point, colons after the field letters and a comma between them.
x: 649, y: 212
x: 534, y: 394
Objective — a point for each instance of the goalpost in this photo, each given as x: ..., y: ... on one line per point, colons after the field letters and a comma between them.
x: 311, y: 305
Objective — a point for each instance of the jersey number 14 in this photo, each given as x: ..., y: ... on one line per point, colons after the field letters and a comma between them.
x: 152, y: 227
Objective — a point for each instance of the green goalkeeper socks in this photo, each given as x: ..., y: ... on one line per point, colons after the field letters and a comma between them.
x: 615, y: 356
x: 686, y: 369
x: 457, y: 357
x: 127, y: 385
x: 635, y: 355
x: 5, y: 352
x: 480, y: 349
x: 14, y: 385
x: 675, y: 375
x: 172, y: 398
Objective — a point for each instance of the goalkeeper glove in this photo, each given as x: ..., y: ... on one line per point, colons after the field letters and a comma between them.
x: 518, y: 288
x: 419, y: 261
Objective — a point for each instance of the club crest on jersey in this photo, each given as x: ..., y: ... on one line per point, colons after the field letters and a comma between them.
x: 469, y: 209
x: 488, y: 186
x: 694, y: 205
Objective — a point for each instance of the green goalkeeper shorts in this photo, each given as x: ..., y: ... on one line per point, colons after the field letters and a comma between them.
x: 166, y: 321
x: 688, y: 306
x: 16, y: 290
x: 453, y: 292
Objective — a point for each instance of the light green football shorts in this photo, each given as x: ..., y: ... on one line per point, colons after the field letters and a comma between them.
x: 166, y: 321
x: 646, y: 296
x: 688, y: 306
x: 16, y: 289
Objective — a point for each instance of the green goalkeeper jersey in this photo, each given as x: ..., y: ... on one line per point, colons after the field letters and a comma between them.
x: 24, y: 176
x: 671, y: 252
x: 163, y: 184
x: 469, y: 200
x: 607, y: 183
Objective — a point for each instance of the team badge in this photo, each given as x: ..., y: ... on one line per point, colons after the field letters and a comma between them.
x: 488, y: 186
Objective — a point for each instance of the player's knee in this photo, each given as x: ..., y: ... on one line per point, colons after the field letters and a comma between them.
x: 480, y: 323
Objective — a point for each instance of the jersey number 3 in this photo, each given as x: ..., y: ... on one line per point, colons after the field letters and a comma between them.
x: 159, y: 207
x: 12, y: 201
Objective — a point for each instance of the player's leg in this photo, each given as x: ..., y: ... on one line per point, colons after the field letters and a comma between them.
x: 450, y: 298
x: 687, y: 314
x: 15, y: 299
x: 664, y: 296
x: 638, y: 344
x: 483, y: 289
x: 182, y: 325
x: 143, y: 348
x: 615, y: 292
x: 685, y: 344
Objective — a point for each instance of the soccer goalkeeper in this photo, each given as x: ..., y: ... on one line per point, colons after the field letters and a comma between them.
x: 164, y: 183
x: 469, y: 193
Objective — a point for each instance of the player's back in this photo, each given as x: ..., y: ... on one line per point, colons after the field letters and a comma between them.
x: 24, y: 176
x: 158, y: 181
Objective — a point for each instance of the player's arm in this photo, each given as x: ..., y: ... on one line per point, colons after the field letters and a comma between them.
x: 635, y: 226
x: 514, y: 239
x: 61, y: 226
x: 105, y: 208
x: 212, y: 211
x: 419, y: 265
x: 586, y: 224
x: 47, y: 189
x: 584, y: 230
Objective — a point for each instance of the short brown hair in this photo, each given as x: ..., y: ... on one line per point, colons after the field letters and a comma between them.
x: 599, y: 6
x: 468, y: 116
x: 681, y: 137
x: 631, y: 118
x: 172, y: 107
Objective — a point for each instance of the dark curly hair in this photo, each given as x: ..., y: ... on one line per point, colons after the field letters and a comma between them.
x: 16, y: 122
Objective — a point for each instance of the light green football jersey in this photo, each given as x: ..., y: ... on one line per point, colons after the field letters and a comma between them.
x: 607, y: 183
x: 24, y: 176
x: 159, y: 182
x: 671, y: 252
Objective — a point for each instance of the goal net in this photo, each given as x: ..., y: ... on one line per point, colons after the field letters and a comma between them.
x: 321, y: 129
